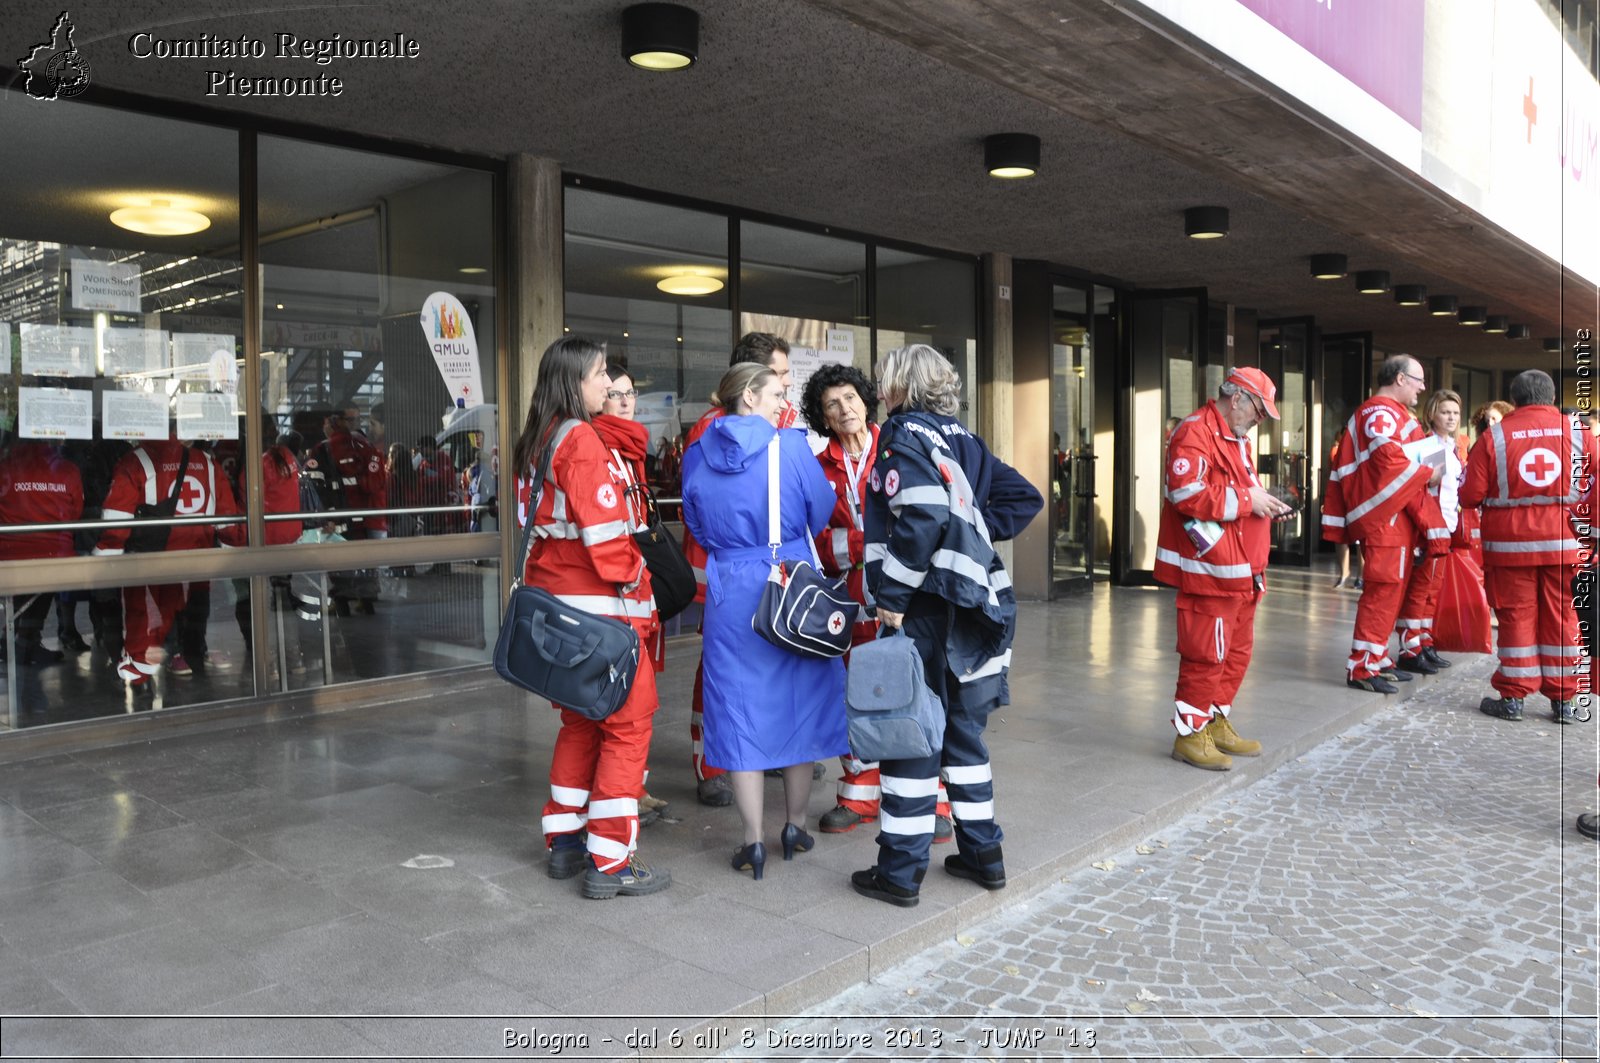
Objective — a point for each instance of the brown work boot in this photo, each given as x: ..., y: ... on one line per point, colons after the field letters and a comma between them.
x: 1227, y: 740
x: 1199, y: 750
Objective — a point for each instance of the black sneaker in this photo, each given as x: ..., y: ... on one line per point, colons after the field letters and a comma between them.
x: 1395, y: 675
x: 1418, y: 665
x: 869, y: 883
x: 1568, y: 712
x: 1589, y: 824
x: 1433, y: 657
x: 1376, y: 684
x: 989, y: 880
x: 1501, y: 708
x: 567, y: 860
x: 637, y: 881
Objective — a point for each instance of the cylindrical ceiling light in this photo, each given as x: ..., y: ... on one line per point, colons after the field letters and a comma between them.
x: 660, y: 36
x: 1329, y: 267
x: 1496, y: 323
x: 1472, y: 315
x: 689, y: 283
x: 1443, y: 305
x: 1372, y: 281
x: 1410, y: 294
x: 1518, y: 332
x: 1011, y: 155
x: 1205, y: 223
x: 1551, y: 344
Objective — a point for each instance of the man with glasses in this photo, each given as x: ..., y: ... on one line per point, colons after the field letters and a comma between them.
x: 1379, y: 498
x: 1213, y: 545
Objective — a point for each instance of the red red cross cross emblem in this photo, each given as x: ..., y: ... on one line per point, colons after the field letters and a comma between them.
x: 191, y: 497
x: 1380, y: 423
x: 1539, y: 467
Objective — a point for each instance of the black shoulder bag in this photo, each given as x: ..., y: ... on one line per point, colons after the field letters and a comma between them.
x: 152, y: 539
x: 671, y: 576
x: 572, y: 658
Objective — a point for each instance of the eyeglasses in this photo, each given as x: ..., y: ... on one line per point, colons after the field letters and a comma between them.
x: 1255, y: 404
x: 1421, y: 383
x: 617, y: 396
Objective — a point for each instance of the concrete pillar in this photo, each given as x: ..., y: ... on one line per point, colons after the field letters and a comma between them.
x: 1028, y: 440
x: 992, y: 403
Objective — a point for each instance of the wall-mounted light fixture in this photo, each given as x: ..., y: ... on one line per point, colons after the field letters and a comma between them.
x: 1372, y: 281
x: 1329, y: 267
x: 1518, y: 332
x: 1410, y: 294
x: 660, y: 36
x: 689, y: 283
x: 1496, y: 323
x: 1471, y: 315
x: 1551, y: 344
x: 1205, y: 223
x: 1011, y: 155
x: 158, y: 217
x: 1443, y: 305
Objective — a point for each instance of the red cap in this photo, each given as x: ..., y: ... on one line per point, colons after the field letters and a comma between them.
x: 1258, y: 384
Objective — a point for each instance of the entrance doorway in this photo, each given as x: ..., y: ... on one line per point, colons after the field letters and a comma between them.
x: 1285, y: 460
x: 1079, y: 533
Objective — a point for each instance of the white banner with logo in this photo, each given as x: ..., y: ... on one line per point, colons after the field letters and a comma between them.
x: 449, y: 335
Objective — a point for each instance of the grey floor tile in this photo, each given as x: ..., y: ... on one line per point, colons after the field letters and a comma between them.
x: 108, y: 818
x: 171, y: 784
x: 327, y: 846
x: 158, y: 970
x: 35, y: 784
x: 34, y: 857
x: 165, y: 857
x: 76, y: 911
x: 425, y: 902
x: 24, y: 990
x: 250, y: 902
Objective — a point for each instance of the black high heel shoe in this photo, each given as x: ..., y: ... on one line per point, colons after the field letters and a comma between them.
x: 795, y: 840
x: 753, y: 857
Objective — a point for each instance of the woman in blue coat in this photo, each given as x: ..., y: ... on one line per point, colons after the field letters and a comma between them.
x: 764, y: 707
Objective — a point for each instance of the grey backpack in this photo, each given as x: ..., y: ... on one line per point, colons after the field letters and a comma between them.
x: 892, y: 713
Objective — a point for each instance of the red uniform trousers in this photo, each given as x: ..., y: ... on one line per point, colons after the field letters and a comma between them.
x: 1216, y: 635
x: 1539, y: 646
x: 1415, y: 623
x: 697, y: 730
x: 596, y: 768
x: 1388, y: 574
x: 147, y: 616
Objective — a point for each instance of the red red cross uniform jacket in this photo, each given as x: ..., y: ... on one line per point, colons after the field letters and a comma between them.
x: 583, y: 554
x: 349, y: 474
x: 629, y: 442
x: 1377, y: 494
x: 1209, y: 474
x: 38, y: 486
x: 1533, y: 475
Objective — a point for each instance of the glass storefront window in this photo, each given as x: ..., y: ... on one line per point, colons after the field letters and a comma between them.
x: 932, y: 300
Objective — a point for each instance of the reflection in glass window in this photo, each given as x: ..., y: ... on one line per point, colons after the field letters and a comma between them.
x: 932, y: 300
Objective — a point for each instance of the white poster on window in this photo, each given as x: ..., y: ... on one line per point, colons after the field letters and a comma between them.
x: 57, y: 350
x: 207, y: 356
x: 206, y: 415
x: 842, y: 341
x: 133, y: 415
x: 55, y: 413
x: 804, y: 361
x: 449, y: 335
x: 105, y: 285
x: 133, y: 350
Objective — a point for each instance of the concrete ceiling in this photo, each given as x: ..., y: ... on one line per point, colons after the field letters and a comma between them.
x: 869, y: 115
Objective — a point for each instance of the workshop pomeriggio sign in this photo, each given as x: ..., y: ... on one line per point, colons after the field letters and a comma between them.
x: 105, y: 285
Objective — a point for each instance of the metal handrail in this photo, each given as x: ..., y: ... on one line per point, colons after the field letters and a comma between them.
x: 178, y: 522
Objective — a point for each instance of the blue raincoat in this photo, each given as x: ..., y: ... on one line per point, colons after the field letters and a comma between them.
x: 764, y: 707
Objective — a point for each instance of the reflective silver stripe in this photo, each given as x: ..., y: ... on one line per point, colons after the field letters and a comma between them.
x: 596, y: 534
x: 972, y: 811
x: 1195, y: 565
x: 898, y: 572
x: 149, y: 475
x: 968, y: 774
x: 570, y: 796
x: 1230, y: 505
x: 563, y: 823
x: 601, y: 605
x: 1521, y: 673
x: 841, y: 548
x: 1517, y: 651
x: 559, y: 530
x: 115, y: 514
x: 857, y: 793
x: 999, y: 579
x: 613, y: 851
x: 902, y: 787
x: 1369, y: 647
x: 1438, y: 533
x: 993, y: 666
x: 700, y: 576
x: 1186, y: 491
x: 1560, y: 651
x: 905, y: 826
x: 613, y: 808
x: 1535, y: 546
x: 918, y: 496
x: 1332, y: 521
x: 961, y: 565
x: 1384, y: 495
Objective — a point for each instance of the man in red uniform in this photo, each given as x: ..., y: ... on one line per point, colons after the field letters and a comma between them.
x: 148, y: 475
x: 1530, y: 473
x: 772, y: 351
x: 37, y: 486
x: 1379, y: 497
x: 1213, y: 544
x: 348, y: 473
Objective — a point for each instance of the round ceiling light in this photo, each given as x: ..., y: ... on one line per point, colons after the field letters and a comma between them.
x: 1329, y: 267
x: 1011, y: 155
x: 1472, y: 315
x: 1410, y: 294
x: 1372, y: 281
x: 159, y: 217
x: 1443, y: 305
x: 660, y: 36
x: 1205, y: 223
x: 1519, y: 332
x: 689, y: 284
x: 1551, y: 344
x: 1496, y: 323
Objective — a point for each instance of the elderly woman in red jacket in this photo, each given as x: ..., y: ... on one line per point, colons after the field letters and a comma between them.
x: 840, y: 404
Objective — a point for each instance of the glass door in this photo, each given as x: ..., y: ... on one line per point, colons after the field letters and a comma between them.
x: 1072, y: 450
x: 1343, y: 380
x: 1283, y: 459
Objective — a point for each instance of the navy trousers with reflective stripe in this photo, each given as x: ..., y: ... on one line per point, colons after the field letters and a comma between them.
x: 906, y: 810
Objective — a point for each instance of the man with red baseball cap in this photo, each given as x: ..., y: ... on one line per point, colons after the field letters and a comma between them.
x: 1213, y: 545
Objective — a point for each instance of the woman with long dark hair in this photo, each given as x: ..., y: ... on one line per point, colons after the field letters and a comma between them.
x: 583, y: 554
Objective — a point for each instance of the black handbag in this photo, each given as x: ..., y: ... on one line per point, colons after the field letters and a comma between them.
x: 801, y: 610
x: 152, y: 539
x: 572, y: 658
x: 671, y: 577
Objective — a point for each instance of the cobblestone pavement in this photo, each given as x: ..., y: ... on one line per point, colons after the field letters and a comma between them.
x: 1414, y: 889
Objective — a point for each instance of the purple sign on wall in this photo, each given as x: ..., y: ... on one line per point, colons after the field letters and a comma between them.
x: 1376, y: 44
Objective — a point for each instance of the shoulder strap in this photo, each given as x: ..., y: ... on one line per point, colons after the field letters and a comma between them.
x: 177, y: 483
x: 774, y: 524
x: 538, y: 494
